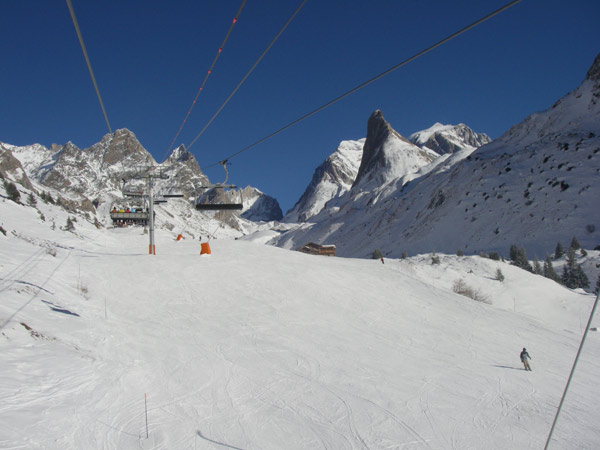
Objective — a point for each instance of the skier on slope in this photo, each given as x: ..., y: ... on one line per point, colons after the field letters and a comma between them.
x: 524, y: 357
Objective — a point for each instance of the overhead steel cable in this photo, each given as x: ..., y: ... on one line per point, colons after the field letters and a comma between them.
x: 248, y: 74
x: 87, y: 60
x: 219, y: 51
x: 573, y: 367
x: 375, y: 78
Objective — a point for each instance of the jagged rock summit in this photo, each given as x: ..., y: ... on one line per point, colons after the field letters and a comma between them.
x: 120, y: 148
x: 100, y: 172
x: 534, y: 186
x: 387, y: 155
x: 593, y: 73
x: 444, y: 139
x: 390, y: 158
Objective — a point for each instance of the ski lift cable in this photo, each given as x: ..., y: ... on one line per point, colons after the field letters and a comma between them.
x: 248, y: 74
x: 573, y: 367
x: 87, y: 60
x: 219, y: 51
x: 375, y: 78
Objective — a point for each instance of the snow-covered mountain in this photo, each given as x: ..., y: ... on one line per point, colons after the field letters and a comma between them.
x: 387, y: 156
x: 535, y: 185
x: 331, y: 179
x: 259, y: 207
x: 444, y: 139
x: 96, y: 176
x: 336, y: 175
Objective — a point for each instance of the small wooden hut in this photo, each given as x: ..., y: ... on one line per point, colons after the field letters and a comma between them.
x: 317, y: 249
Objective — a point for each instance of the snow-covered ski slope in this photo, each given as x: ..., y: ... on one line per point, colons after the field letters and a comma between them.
x: 256, y: 347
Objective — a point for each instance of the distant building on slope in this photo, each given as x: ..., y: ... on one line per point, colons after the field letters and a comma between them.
x: 316, y: 249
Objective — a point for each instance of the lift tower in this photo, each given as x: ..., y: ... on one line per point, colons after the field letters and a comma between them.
x: 150, y: 183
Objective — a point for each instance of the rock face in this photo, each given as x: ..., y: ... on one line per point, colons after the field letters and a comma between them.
x: 119, y: 148
x: 118, y: 161
x: 331, y: 179
x: 444, y: 139
x: 88, y: 172
x: 593, y: 73
x: 259, y: 207
x: 11, y: 168
x: 185, y: 175
x: 387, y: 155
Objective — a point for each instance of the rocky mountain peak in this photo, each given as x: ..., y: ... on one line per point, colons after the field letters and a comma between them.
x: 12, y: 168
x: 444, y: 139
x: 534, y: 186
x: 388, y: 155
x: 593, y: 73
x: 120, y: 146
x: 180, y: 154
x: 379, y: 130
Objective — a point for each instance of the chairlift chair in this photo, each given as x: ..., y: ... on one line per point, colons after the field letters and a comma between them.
x: 131, y: 190
x: 209, y: 200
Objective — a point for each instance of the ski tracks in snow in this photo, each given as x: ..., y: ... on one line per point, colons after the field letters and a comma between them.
x: 20, y: 271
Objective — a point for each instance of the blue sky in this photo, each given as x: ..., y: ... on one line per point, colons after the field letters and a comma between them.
x: 150, y: 57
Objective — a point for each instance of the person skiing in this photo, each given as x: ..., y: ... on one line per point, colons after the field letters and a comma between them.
x: 524, y: 357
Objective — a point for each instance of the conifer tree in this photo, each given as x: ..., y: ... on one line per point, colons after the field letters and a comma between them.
x: 573, y: 275
x: 559, y: 251
x: 518, y: 256
x: 581, y: 278
x: 12, y: 192
x: 566, y: 279
x: 69, y: 226
x: 575, y: 244
x: 548, y: 270
x: 513, y: 252
x: 499, y: 275
x: 47, y: 197
x: 377, y: 254
x: 537, y: 268
x: 31, y: 201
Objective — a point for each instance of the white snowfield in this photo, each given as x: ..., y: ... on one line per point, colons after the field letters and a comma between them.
x: 256, y: 347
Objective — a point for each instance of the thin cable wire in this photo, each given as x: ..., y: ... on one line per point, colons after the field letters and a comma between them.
x: 366, y: 83
x: 562, y: 400
x: 233, y: 22
x: 248, y: 74
x: 87, y: 60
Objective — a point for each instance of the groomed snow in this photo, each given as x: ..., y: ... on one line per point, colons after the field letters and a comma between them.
x: 256, y: 347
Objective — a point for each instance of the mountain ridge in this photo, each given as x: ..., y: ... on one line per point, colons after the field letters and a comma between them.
x: 100, y: 170
x: 533, y: 186
x: 339, y: 172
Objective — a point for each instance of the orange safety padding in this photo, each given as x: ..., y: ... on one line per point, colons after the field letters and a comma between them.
x: 179, y: 237
x: 205, y: 248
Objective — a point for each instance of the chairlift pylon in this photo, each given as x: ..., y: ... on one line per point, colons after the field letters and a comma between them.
x: 210, y: 200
